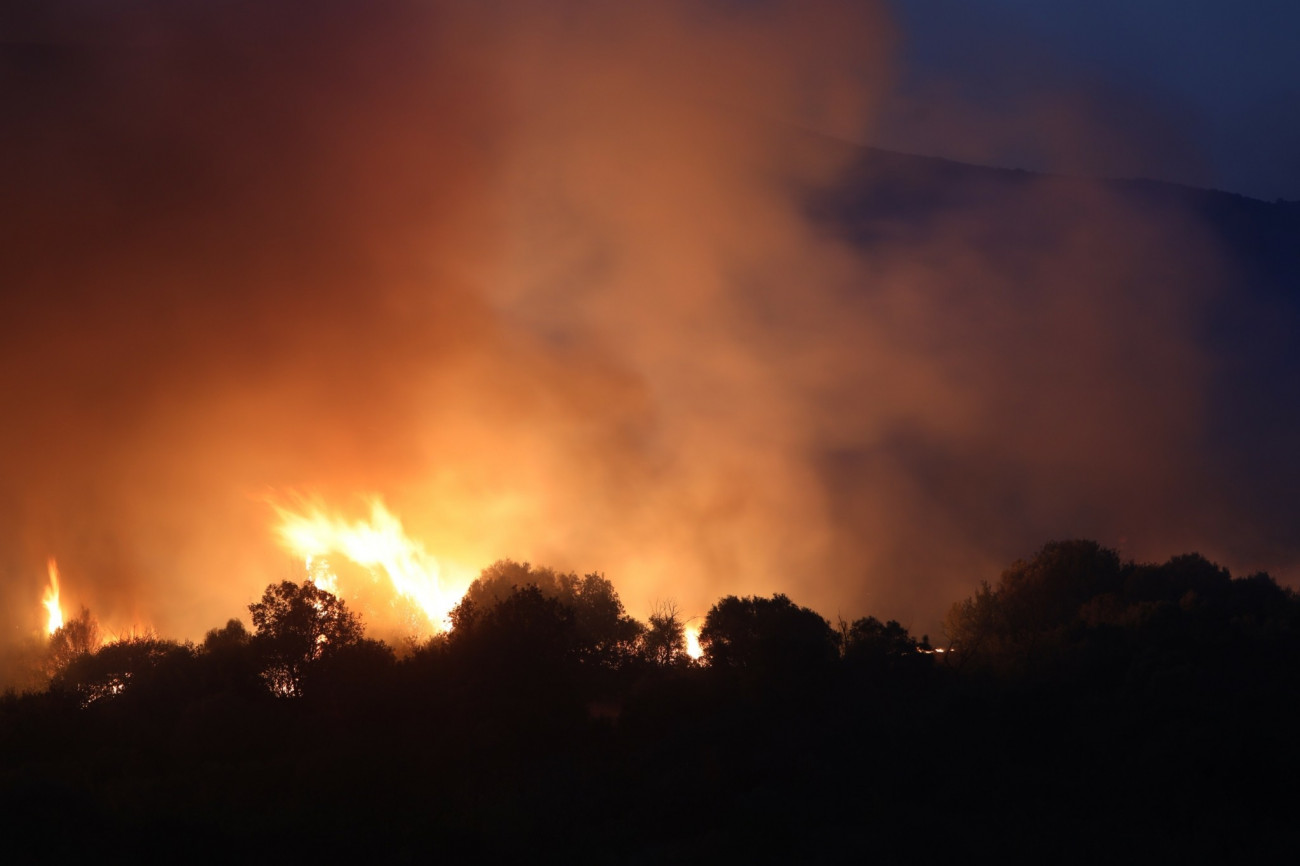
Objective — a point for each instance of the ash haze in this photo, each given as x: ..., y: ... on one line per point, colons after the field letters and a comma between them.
x: 569, y: 285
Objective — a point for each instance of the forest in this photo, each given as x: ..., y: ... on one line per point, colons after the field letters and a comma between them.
x: 1082, y: 708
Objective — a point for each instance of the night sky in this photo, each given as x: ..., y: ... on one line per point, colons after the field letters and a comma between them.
x: 561, y: 283
x: 1193, y: 91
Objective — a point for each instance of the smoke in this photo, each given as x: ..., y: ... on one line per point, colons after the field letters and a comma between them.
x: 556, y: 284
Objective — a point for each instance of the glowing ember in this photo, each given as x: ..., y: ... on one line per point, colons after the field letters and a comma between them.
x: 693, y: 648
x: 54, y: 620
x: 378, y: 544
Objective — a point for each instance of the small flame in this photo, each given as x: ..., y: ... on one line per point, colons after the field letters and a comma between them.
x: 54, y: 613
x: 378, y: 544
x: 693, y: 648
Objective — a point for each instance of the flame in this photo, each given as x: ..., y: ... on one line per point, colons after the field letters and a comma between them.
x: 319, y: 573
x: 693, y: 648
x: 51, y: 600
x: 379, y: 544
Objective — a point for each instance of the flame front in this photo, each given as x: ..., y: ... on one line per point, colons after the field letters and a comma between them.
x: 54, y: 620
x: 379, y: 543
x: 693, y: 648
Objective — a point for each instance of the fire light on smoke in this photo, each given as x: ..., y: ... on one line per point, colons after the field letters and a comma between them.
x: 54, y: 620
x: 693, y: 648
x: 379, y: 544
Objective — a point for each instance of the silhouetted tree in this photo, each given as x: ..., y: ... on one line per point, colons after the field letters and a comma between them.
x: 518, y: 658
x: 232, y: 636
x: 1075, y: 606
x: 1035, y: 602
x: 606, y: 635
x: 526, y: 629
x: 77, y: 637
x: 974, y: 626
x: 877, y: 647
x: 664, y: 642
x: 1185, y: 578
x: 499, y: 580
x: 770, y: 637
x: 296, y: 625
x: 229, y: 661
x: 118, y: 666
x: 352, y: 673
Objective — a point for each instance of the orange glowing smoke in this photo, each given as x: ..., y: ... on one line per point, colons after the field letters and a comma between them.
x: 379, y: 544
x: 54, y: 620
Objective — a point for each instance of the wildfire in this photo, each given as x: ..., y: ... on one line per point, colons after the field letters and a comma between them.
x: 319, y: 573
x: 693, y: 648
x: 379, y: 544
x: 54, y: 620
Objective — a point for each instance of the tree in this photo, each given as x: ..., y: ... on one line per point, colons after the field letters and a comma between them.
x: 228, y: 661
x: 357, y: 674
x: 605, y: 634
x: 525, y: 630
x: 231, y: 637
x: 769, y: 637
x: 77, y: 637
x: 885, y: 653
x: 499, y: 580
x: 123, y: 664
x: 664, y: 642
x: 517, y: 658
x: 1075, y: 604
x: 973, y: 625
x: 1025, y: 619
x: 872, y: 642
x: 1172, y: 581
x: 297, y: 625
x: 1047, y: 590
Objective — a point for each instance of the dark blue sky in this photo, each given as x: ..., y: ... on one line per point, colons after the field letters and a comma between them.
x: 1205, y: 92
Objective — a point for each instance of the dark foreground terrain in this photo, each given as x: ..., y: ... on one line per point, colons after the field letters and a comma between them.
x: 1088, y: 710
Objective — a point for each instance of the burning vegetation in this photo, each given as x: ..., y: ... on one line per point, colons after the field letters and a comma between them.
x: 53, y: 611
x: 614, y: 286
x: 415, y: 591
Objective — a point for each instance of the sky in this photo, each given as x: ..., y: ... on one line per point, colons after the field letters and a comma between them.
x: 1207, y: 92
x: 545, y: 280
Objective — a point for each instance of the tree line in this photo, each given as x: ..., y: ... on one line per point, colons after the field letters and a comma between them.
x: 515, y: 619
x: 1073, y: 604
x: 549, y: 717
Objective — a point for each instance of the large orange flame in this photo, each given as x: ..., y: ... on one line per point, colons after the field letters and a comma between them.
x: 54, y: 620
x: 693, y: 648
x: 380, y: 544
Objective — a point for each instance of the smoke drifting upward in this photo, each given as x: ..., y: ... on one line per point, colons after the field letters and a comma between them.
x: 559, y: 285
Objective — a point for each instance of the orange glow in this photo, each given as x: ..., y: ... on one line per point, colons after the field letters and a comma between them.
x: 693, y: 648
x: 380, y: 545
x: 54, y: 620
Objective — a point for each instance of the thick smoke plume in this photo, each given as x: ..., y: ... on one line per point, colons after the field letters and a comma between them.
x: 552, y: 279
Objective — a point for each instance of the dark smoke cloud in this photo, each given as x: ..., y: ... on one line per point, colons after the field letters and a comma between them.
x: 551, y: 282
